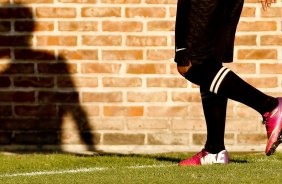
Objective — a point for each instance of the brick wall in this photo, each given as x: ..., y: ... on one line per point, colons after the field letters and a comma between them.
x: 101, y: 73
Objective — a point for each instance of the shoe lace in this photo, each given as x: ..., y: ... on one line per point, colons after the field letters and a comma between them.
x: 265, y: 118
x: 265, y: 121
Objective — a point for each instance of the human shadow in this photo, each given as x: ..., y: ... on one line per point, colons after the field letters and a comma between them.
x: 37, y: 91
x: 158, y: 157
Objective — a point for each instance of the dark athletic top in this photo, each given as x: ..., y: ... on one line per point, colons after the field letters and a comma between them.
x: 205, y: 30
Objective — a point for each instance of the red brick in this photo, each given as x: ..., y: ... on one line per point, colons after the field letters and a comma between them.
x: 5, y: 82
x: 5, y: 26
x: 121, y: 82
x: 248, y: 12
x: 17, y: 96
x: 91, y: 111
x: 34, y: 55
x: 167, y: 82
x: 122, y: 26
x: 173, y: 69
x: 40, y: 137
x: 15, y: 12
x: 251, y: 138
x: 263, y: 82
x: 123, y: 139
x: 57, y: 68
x: 199, y: 139
x: 15, y: 41
x: 85, y: 138
x: 36, y: 110
x: 251, y: 1
x: 257, y: 54
x: 100, y: 68
x: 167, y: 111
x: 6, y: 110
x: 79, y: 1
x: 48, y: 97
x: 6, y: 138
x: 186, y: 97
x: 79, y: 54
x: 246, y: 40
x: 102, y: 40
x: 78, y: 26
x: 122, y: 54
x: 80, y: 113
x: 72, y: 82
x: 168, y: 139
x: 148, y: 12
x: 257, y: 26
x: 30, y: 124
x: 55, y: 12
x: 160, y: 54
x: 33, y: 1
x: 243, y: 111
x: 242, y: 68
x: 5, y: 1
x: 271, y: 40
x: 101, y: 12
x: 160, y: 2
x: 36, y: 82
x: 56, y: 40
x: 108, y: 124
x: 5, y: 54
x: 121, y: 1
x: 102, y: 97
x: 244, y: 125
x: 31, y: 26
x: 270, y: 68
x: 195, y: 110
x: 146, y: 41
x: 123, y: 111
x: 274, y: 12
x: 147, y: 124
x: 17, y: 68
x: 172, y: 12
x: 162, y: 25
x: 187, y: 125
x: 146, y: 68
x: 146, y: 96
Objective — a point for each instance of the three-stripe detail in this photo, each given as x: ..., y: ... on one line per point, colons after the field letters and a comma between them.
x: 218, y: 79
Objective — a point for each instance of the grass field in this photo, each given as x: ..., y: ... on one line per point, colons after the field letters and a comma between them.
x: 156, y: 168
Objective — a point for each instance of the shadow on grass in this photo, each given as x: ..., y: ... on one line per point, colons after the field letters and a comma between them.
x: 168, y: 157
x: 238, y: 161
x: 158, y: 157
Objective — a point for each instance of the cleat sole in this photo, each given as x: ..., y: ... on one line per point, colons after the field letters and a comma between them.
x: 275, y: 145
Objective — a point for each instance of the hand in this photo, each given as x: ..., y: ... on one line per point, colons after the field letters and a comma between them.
x: 266, y: 3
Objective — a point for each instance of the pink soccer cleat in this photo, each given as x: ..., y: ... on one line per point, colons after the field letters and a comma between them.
x: 205, y: 158
x: 273, y: 124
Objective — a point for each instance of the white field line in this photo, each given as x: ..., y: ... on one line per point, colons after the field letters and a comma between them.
x: 81, y: 170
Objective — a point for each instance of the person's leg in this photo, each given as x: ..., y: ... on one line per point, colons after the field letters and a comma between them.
x: 222, y: 81
x: 214, y: 107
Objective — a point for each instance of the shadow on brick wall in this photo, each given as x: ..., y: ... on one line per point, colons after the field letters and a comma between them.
x: 36, y: 89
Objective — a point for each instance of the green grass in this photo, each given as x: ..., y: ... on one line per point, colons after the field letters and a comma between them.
x: 244, y: 168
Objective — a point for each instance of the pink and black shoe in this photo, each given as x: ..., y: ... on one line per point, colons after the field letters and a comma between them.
x: 205, y: 158
x: 273, y: 124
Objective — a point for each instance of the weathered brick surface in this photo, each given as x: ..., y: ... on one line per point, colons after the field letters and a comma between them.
x: 123, y: 139
x: 168, y: 139
x: 101, y: 72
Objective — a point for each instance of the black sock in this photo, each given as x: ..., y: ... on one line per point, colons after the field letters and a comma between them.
x: 220, y: 80
x: 214, y: 107
x: 237, y: 89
